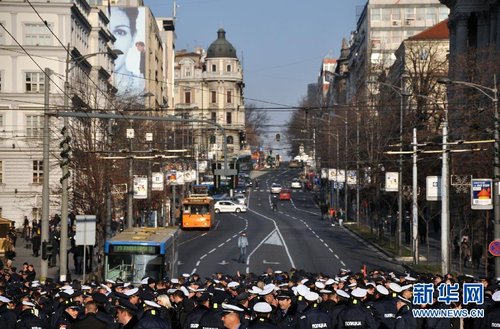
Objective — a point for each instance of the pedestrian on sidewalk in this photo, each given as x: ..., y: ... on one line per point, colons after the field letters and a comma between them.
x: 465, y: 250
x: 36, y: 242
x: 242, y: 244
x: 477, y: 253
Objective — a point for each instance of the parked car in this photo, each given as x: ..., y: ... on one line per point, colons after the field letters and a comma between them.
x: 275, y: 188
x: 229, y: 206
x: 296, y: 183
x: 285, y: 194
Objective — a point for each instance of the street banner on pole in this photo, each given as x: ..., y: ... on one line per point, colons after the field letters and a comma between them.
x: 391, y: 181
x: 324, y: 173
x: 140, y: 187
x: 157, y: 181
x: 171, y: 177
x: 85, y: 230
x: 351, y: 177
x: 433, y: 188
x: 481, y: 189
x: 332, y: 173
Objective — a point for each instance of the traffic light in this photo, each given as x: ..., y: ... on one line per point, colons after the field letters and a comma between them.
x: 278, y: 137
x: 46, y: 250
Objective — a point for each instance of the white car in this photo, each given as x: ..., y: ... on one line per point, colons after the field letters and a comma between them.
x: 296, y: 183
x: 229, y: 206
x: 239, y: 199
x: 275, y: 188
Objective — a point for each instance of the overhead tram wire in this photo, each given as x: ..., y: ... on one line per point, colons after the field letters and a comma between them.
x: 71, y: 56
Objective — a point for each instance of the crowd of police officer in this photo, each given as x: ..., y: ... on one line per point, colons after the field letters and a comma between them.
x: 275, y: 299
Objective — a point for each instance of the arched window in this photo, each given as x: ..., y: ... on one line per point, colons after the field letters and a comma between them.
x: 230, y: 139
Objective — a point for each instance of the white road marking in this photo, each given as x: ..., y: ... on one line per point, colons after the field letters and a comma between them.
x: 193, y: 271
x: 330, y: 249
x: 336, y: 256
x: 211, y: 251
x: 341, y: 262
x: 221, y: 245
x: 228, y: 240
x: 198, y: 263
x: 203, y: 256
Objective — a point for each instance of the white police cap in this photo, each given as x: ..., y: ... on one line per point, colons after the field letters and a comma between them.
x: 266, y: 291
x: 319, y: 285
x: 4, y: 299
x: 342, y: 293
x: 395, y: 287
x: 30, y: 304
x: 382, y: 290
x: 231, y: 308
x: 233, y: 284
x: 152, y: 304
x: 496, y: 296
x: 262, y: 307
x: 302, y: 290
x: 330, y: 282
x: 145, y: 280
x: 130, y: 292
x: 358, y: 292
x: 311, y: 296
x: 254, y: 290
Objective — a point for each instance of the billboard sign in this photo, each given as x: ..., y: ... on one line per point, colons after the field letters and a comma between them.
x: 391, y: 181
x: 128, y: 26
x: 481, y: 190
x: 433, y: 188
x: 140, y: 187
x: 157, y: 181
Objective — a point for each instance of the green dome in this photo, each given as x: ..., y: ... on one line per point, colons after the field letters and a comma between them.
x: 221, y: 47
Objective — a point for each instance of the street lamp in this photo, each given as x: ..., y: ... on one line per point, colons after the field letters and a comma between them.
x: 65, y: 159
x: 402, y: 93
x: 492, y: 94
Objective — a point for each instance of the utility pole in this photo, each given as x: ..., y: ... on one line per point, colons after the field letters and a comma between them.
x: 400, y: 169
x: 415, y: 200
x: 445, y: 214
x: 130, y: 192
x: 496, y: 172
x: 44, y: 263
x: 149, y: 139
x: 357, y: 168
x: 346, y: 211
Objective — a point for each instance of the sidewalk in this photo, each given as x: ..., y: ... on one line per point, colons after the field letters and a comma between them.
x: 24, y: 254
x: 428, y: 261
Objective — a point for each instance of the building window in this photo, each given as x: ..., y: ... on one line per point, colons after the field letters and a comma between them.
x: 229, y: 99
x: 34, y: 125
x: 230, y: 140
x: 1, y: 73
x: 213, y: 117
x: 187, y: 72
x: 37, y: 34
x: 212, y: 139
x: 187, y: 97
x: 376, y: 14
x: 34, y: 82
x: 229, y: 118
x: 213, y: 98
x: 36, y: 213
x: 228, y: 68
x: 214, y: 68
x: 1, y: 121
x: 37, y: 171
x: 1, y: 172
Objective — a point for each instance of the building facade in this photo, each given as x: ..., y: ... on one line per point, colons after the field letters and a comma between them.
x: 209, y: 87
x: 58, y: 35
x: 381, y: 27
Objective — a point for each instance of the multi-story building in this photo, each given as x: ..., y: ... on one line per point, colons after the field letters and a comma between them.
x: 209, y: 87
x: 474, y: 26
x: 168, y: 37
x: 72, y: 40
x: 381, y: 27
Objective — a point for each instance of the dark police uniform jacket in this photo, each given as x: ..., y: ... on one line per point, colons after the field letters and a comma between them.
x: 355, y: 315
x: 385, y: 313
x: 7, y: 317
x: 314, y: 318
x: 212, y: 319
x: 151, y: 320
x: 262, y: 323
x: 491, y: 318
x: 193, y: 318
x: 28, y: 320
x: 405, y: 319
x: 287, y: 320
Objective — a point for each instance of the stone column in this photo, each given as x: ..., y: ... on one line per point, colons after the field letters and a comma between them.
x: 483, y: 30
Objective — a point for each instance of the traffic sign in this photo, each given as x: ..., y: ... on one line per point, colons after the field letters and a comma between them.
x: 494, y: 247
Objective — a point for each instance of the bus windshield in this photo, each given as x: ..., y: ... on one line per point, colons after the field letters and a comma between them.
x: 201, y: 209
x: 134, y: 267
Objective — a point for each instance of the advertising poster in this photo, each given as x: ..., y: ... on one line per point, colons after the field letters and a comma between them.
x: 351, y: 177
x: 171, y: 177
x: 391, y: 181
x: 140, y: 187
x: 324, y: 173
x: 433, y: 188
x: 481, y: 190
x: 157, y: 181
x: 128, y: 26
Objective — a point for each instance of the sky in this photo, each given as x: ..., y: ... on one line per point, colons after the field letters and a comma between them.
x: 281, y: 43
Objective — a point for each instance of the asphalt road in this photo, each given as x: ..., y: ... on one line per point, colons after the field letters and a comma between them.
x: 293, y: 236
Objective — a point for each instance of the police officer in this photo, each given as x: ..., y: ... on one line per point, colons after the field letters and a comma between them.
x: 7, y: 316
x: 286, y: 315
x: 341, y: 298
x: 385, y: 309
x: 492, y: 315
x: 312, y: 317
x: 231, y: 316
x: 404, y: 316
x: 356, y: 315
x: 151, y: 317
x: 28, y: 318
x: 125, y: 314
x: 213, y: 317
x: 202, y: 306
x: 262, y: 318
